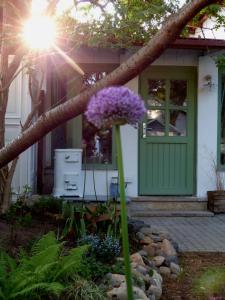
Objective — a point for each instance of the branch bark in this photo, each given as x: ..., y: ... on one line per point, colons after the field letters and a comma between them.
x: 125, y: 72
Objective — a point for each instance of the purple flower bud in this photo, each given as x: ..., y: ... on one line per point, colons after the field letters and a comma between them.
x: 115, y: 105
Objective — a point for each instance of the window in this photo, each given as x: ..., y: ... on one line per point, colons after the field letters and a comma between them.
x: 97, y: 143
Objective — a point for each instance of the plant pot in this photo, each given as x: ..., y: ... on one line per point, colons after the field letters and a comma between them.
x: 216, y: 201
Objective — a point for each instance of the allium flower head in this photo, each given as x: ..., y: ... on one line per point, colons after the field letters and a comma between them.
x: 115, y: 105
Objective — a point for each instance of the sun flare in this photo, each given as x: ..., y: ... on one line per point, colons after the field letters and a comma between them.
x: 39, y: 32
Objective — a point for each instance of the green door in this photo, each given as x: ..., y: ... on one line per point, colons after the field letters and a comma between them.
x: 167, y: 135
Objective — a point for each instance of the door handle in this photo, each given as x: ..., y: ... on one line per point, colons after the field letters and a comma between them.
x: 144, y: 130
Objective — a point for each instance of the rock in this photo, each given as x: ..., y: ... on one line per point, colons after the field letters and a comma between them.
x: 158, y: 260
x: 134, y: 265
x: 138, y: 279
x: 121, y: 293
x: 136, y: 258
x: 156, y: 291
x: 142, y: 270
x: 156, y: 238
x: 149, y: 263
x: 146, y: 240
x: 175, y: 268
x: 170, y: 259
x: 140, y: 235
x: 115, y: 280
x: 143, y: 253
x: 164, y: 271
x: 157, y: 277
x: 136, y: 225
x: 167, y: 248
x: 150, y: 249
x: 151, y: 297
x: 146, y: 230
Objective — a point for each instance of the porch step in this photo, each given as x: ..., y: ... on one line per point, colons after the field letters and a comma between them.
x: 169, y: 213
x: 168, y: 204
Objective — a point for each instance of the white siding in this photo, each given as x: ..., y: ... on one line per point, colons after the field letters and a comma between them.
x: 17, y: 110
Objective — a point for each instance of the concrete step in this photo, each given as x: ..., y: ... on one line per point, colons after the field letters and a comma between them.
x: 169, y: 213
x: 168, y: 204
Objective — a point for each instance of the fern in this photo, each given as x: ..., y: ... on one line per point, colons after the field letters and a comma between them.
x: 42, y: 274
x: 53, y: 288
x: 71, y: 263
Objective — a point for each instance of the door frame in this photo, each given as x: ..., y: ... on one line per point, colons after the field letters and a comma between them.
x: 164, y: 69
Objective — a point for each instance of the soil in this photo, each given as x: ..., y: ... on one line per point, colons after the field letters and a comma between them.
x: 14, y: 236
x: 193, y: 264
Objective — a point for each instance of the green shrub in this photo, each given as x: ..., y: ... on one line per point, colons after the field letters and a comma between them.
x: 48, y: 204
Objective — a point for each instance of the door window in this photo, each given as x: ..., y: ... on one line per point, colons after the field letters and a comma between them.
x: 167, y: 103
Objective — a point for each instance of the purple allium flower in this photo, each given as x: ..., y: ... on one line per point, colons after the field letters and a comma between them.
x: 115, y: 105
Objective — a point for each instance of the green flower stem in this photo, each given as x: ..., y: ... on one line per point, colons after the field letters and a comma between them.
x: 124, y: 215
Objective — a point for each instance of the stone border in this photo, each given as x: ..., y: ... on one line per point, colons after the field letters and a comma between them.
x: 157, y: 259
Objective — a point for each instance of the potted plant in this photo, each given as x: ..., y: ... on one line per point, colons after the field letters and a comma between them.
x: 216, y: 198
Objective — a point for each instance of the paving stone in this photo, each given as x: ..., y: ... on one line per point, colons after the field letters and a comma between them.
x: 193, y: 234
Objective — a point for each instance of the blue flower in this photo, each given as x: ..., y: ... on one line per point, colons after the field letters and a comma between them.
x: 115, y: 105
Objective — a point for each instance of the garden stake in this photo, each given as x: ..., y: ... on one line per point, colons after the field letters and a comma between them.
x: 125, y: 239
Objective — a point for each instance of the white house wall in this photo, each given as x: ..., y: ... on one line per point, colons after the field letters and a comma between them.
x: 17, y: 110
x: 206, y: 126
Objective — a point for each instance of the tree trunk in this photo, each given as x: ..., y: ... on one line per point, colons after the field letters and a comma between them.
x: 125, y: 72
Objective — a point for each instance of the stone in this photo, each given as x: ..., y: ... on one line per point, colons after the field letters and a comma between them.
x: 146, y: 241
x: 120, y: 293
x: 159, y: 260
x: 175, y: 268
x: 146, y: 230
x: 142, y: 270
x: 140, y: 235
x: 164, y: 271
x: 134, y: 265
x: 136, y: 258
x: 150, y: 249
x: 136, y: 225
x: 156, y: 291
x: 151, y: 297
x: 143, y: 253
x: 170, y: 259
x: 157, y: 277
x: 115, y: 280
x: 156, y: 238
x: 167, y: 248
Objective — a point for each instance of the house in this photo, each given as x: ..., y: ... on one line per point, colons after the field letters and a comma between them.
x: 173, y: 151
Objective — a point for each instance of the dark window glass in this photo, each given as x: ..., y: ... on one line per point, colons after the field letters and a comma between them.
x: 97, y: 143
x: 157, y: 92
x: 178, y: 92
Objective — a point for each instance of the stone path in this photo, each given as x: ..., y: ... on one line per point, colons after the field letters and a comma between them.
x: 194, y: 234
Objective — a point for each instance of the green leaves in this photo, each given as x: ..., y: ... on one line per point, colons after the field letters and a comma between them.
x: 45, y: 272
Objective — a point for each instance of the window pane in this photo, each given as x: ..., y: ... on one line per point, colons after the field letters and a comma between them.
x: 178, y: 92
x: 157, y: 92
x: 97, y: 144
x: 222, y: 141
x: 156, y: 123
x: 178, y: 123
